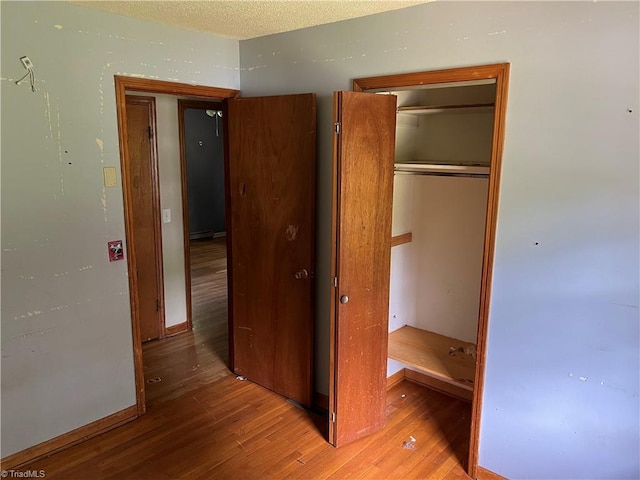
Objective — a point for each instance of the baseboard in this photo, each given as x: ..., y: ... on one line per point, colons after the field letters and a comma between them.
x: 439, y: 385
x: 69, y: 439
x: 395, y: 378
x: 484, y: 474
x: 176, y: 329
x: 321, y: 401
x: 219, y: 234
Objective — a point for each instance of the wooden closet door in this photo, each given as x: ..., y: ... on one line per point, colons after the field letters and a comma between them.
x: 145, y: 213
x: 364, y: 150
x: 271, y: 168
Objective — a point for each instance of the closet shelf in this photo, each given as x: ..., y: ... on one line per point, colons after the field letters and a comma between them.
x: 431, y: 109
x: 401, y: 239
x: 434, y: 355
x: 442, y: 169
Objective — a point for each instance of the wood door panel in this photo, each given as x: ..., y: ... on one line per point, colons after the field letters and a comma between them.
x: 365, y: 149
x: 145, y: 212
x: 272, y: 145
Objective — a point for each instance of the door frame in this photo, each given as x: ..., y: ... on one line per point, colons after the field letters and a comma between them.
x: 182, y: 106
x: 150, y: 102
x: 135, y: 84
x: 499, y: 72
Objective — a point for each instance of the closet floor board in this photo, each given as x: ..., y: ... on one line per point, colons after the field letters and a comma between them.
x: 429, y: 353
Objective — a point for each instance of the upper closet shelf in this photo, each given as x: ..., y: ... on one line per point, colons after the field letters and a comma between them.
x: 431, y: 109
x: 438, y: 169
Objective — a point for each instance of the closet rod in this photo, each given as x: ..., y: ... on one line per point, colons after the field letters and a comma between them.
x: 441, y: 169
x: 443, y: 174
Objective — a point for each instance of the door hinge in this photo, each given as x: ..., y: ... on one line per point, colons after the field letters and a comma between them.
x: 158, y: 305
x: 150, y: 132
x: 333, y: 417
x: 337, y: 127
x: 335, y: 282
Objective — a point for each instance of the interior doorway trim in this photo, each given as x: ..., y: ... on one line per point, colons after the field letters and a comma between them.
x: 131, y: 84
x: 182, y: 106
x: 499, y: 72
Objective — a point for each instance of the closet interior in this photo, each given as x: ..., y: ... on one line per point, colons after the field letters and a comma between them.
x: 441, y: 184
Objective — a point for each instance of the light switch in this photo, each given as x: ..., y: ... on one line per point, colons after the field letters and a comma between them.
x: 110, y: 178
x: 166, y: 215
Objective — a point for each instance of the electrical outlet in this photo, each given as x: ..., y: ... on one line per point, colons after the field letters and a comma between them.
x: 26, y: 62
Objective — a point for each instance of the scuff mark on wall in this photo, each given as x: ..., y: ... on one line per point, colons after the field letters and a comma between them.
x: 58, y: 27
x: 100, y: 144
x: 48, y: 114
x: 34, y: 313
x: 60, y: 150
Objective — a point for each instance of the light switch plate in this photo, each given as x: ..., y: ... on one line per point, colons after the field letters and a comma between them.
x: 110, y: 178
x: 166, y: 215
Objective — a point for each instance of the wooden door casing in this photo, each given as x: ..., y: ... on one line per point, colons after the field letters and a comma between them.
x: 271, y: 174
x: 147, y: 239
x: 364, y: 149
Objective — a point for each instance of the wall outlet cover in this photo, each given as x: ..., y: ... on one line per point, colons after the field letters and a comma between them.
x: 116, y: 250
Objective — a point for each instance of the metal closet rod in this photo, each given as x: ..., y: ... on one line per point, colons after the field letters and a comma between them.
x: 443, y: 174
x: 442, y: 170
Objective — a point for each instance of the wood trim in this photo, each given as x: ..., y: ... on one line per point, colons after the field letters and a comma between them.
x: 177, y: 329
x: 182, y: 106
x: 321, y: 401
x: 499, y: 121
x: 395, y: 378
x: 499, y: 72
x: 439, y: 385
x: 122, y: 85
x: 482, y: 72
x: 228, y: 236
x: 66, y: 440
x: 174, y: 88
x: 185, y: 213
x: 484, y: 474
x: 333, y: 272
x: 401, y: 239
x: 127, y: 192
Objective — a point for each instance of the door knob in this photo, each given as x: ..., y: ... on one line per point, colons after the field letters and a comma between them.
x: 344, y: 299
x: 302, y: 274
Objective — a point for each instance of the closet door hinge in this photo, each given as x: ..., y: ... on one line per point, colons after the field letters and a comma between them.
x: 150, y: 132
x: 337, y: 127
x: 335, y: 282
x: 158, y: 305
x: 333, y: 417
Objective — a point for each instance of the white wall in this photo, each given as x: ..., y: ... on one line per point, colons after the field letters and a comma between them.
x: 448, y: 241
x: 66, y: 327
x: 175, y: 300
x: 562, y: 384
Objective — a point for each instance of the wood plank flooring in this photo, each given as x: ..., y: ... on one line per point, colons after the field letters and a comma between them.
x: 203, y: 423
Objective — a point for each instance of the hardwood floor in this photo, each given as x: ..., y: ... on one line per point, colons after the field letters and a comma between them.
x: 194, y: 359
x: 203, y: 423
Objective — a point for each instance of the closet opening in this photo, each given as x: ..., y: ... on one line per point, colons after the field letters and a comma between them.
x: 449, y: 137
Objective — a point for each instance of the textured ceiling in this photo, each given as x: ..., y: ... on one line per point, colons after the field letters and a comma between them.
x: 243, y: 19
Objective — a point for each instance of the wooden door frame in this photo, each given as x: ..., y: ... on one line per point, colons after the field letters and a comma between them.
x: 150, y: 102
x: 499, y: 72
x: 182, y: 106
x: 134, y: 84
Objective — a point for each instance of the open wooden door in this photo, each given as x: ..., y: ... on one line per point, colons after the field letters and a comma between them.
x: 271, y: 220
x: 364, y: 149
x: 145, y: 212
